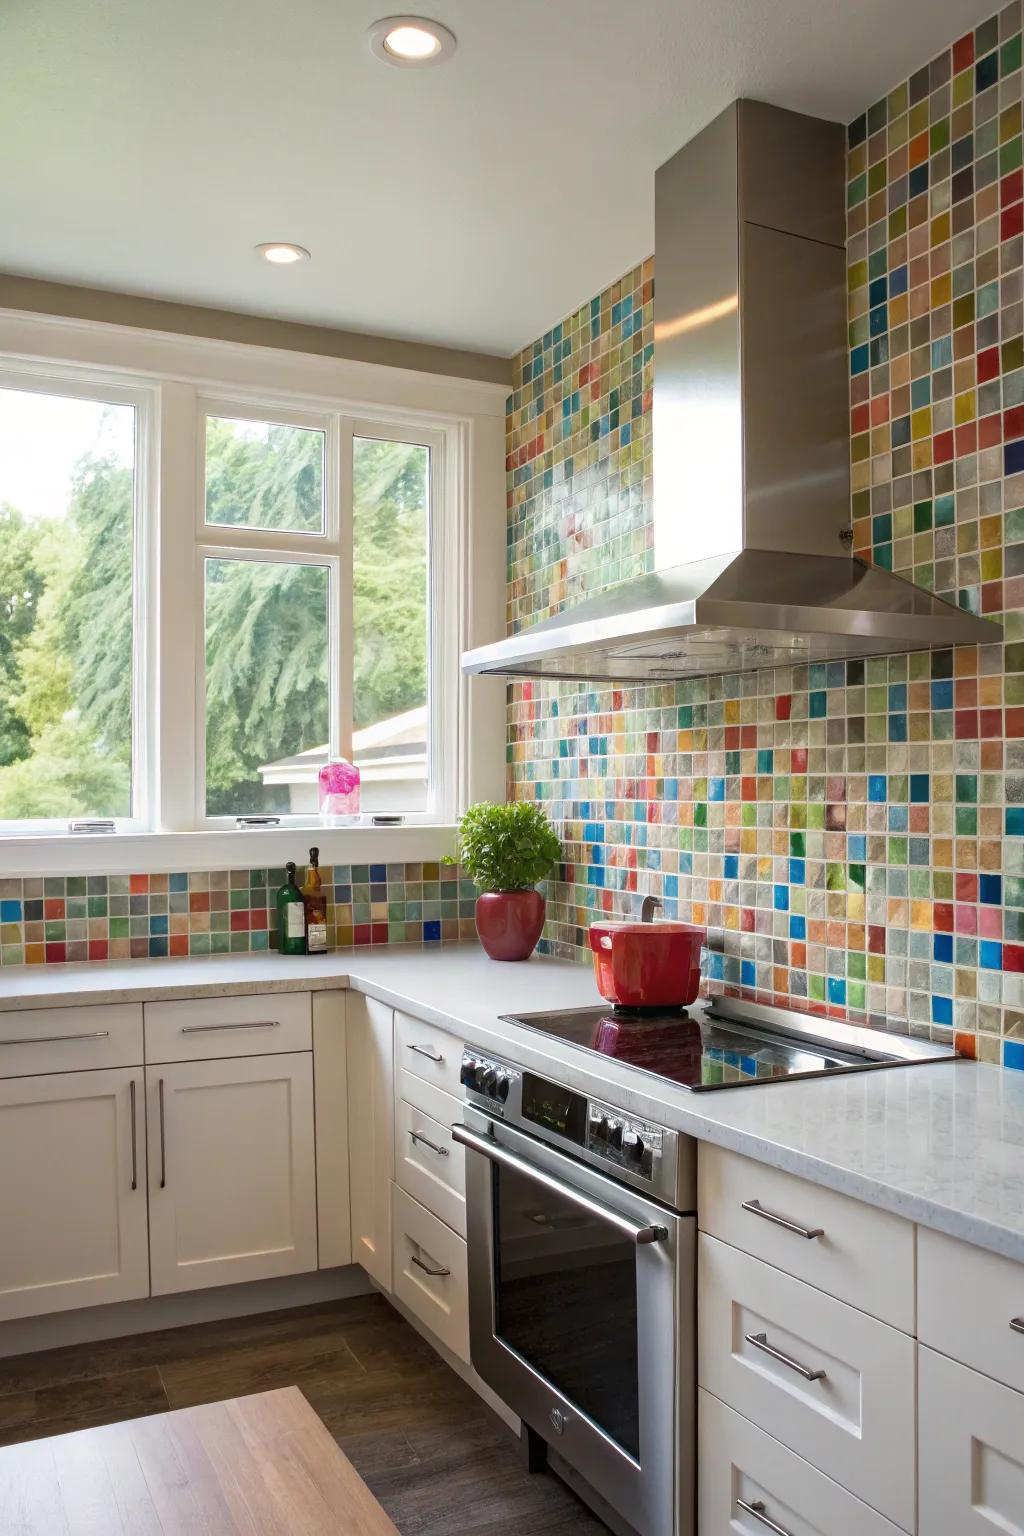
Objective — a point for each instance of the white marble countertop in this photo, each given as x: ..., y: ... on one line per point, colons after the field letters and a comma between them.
x: 940, y: 1144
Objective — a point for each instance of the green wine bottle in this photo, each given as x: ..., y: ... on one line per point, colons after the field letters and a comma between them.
x: 291, y: 917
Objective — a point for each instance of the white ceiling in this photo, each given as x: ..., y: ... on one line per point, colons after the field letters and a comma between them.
x: 148, y: 145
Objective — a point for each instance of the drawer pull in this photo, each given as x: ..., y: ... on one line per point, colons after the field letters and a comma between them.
x: 757, y: 1209
x: 758, y: 1510
x: 206, y: 1029
x: 98, y: 1034
x: 1017, y: 1324
x: 441, y: 1151
x: 163, y: 1136
x: 421, y: 1050
x: 427, y: 1269
x: 760, y: 1341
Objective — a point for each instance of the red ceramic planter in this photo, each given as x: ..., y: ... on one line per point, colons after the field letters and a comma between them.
x: 509, y: 923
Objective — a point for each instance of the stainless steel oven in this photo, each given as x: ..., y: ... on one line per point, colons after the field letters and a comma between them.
x: 581, y: 1242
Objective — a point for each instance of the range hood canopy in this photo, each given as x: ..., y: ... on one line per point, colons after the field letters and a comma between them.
x: 751, y: 436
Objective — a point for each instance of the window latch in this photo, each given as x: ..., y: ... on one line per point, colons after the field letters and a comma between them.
x: 250, y: 822
x: 96, y: 825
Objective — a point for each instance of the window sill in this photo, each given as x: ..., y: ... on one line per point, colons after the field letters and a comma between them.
x: 182, y: 852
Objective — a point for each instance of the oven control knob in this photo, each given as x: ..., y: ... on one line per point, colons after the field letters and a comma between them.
x: 635, y: 1149
x: 601, y: 1128
x: 466, y: 1077
x: 618, y: 1130
x: 503, y: 1086
x: 490, y: 1084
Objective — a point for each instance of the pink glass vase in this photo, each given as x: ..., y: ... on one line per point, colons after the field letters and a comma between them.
x: 339, y: 791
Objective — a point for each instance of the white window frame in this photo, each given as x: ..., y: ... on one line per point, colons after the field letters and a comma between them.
x: 174, y: 381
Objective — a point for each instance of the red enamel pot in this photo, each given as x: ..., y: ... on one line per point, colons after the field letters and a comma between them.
x: 647, y: 965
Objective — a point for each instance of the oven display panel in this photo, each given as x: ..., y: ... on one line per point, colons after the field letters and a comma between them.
x: 555, y: 1108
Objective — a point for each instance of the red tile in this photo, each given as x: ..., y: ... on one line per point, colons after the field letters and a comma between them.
x: 56, y: 954
x: 966, y: 886
x: 239, y: 922
x: 990, y: 431
x: 199, y: 901
x: 1015, y: 723
x: 966, y: 724
x: 798, y: 760
x: 963, y: 53
x: 988, y: 365
x: 748, y: 736
x: 53, y: 909
x: 942, y: 917
x: 992, y: 597
x: 860, y: 419
x: 966, y: 438
x: 138, y: 885
x: 1013, y: 422
x: 942, y: 447
x: 380, y: 933
x: 783, y: 706
x: 98, y: 949
x: 748, y: 789
x: 1013, y: 957
x: 179, y: 944
x: 1011, y: 188
x: 1011, y: 222
x: 965, y: 693
x: 732, y: 738
x: 361, y: 933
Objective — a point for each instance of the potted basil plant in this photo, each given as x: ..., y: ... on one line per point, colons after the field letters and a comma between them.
x: 505, y: 850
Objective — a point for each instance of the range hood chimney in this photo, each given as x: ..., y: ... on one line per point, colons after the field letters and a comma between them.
x: 751, y: 436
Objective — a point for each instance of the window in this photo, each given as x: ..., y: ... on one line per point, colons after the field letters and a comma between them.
x: 208, y: 588
x: 316, y: 617
x: 68, y: 567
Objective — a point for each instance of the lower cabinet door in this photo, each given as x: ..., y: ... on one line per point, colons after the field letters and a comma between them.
x: 72, y: 1191
x: 749, y: 1482
x: 971, y: 1452
x: 232, y: 1186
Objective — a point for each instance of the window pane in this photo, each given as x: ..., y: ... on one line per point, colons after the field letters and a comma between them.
x: 67, y: 498
x: 267, y: 668
x: 260, y: 474
x: 390, y: 533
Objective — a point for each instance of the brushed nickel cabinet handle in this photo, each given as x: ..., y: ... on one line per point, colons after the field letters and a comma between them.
x: 426, y: 1268
x: 757, y: 1209
x: 421, y: 1050
x: 135, y: 1148
x: 760, y: 1341
x: 163, y: 1137
x: 206, y: 1029
x: 97, y: 1034
x: 1017, y: 1324
x: 441, y: 1151
x: 758, y: 1509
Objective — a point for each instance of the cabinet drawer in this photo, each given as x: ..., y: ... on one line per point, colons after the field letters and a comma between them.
x: 741, y: 1465
x: 211, y: 1028
x: 859, y: 1254
x: 428, y: 1052
x: 430, y: 1165
x: 429, y: 1272
x: 856, y: 1420
x: 971, y: 1469
x: 969, y: 1301
x: 39, y: 1040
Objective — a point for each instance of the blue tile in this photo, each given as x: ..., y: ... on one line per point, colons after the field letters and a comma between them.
x: 942, y: 947
x: 10, y: 911
x: 836, y: 990
x: 990, y: 955
x: 797, y: 872
x: 782, y: 898
x: 817, y: 705
x: 1015, y: 821
x: 731, y: 866
x: 990, y: 889
x: 378, y: 874
x: 748, y: 974
x: 1013, y: 457
x: 158, y: 924
x: 157, y: 949
x: 716, y: 789
x: 877, y: 787
x: 919, y: 788
x: 942, y: 1010
x: 1013, y: 1054
x: 177, y: 882
x: 897, y: 727
x: 942, y: 694
x: 431, y: 932
x: 797, y: 927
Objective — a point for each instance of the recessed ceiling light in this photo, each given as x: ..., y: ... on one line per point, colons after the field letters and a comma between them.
x: 411, y: 40
x: 281, y: 253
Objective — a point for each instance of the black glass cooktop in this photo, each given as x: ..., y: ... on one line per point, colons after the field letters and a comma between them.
x: 702, y: 1052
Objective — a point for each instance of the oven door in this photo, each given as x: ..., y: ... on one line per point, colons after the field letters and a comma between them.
x: 580, y: 1319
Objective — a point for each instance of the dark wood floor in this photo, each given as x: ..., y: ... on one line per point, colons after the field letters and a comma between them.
x: 437, y: 1459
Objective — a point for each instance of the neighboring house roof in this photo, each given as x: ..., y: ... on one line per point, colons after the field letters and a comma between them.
x: 389, y: 749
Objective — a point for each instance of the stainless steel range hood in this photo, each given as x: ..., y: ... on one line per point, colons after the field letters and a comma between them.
x: 751, y: 436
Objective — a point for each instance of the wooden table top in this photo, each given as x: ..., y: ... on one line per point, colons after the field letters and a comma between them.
x: 251, y: 1466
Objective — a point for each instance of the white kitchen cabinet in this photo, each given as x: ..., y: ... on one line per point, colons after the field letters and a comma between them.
x: 750, y: 1483
x: 232, y: 1181
x: 369, y: 1031
x: 970, y: 1453
x: 72, y: 1191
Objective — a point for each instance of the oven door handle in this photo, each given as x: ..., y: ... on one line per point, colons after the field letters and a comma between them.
x: 637, y: 1232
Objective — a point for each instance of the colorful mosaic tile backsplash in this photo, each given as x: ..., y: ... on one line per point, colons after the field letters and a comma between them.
x: 120, y: 917
x: 851, y: 834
